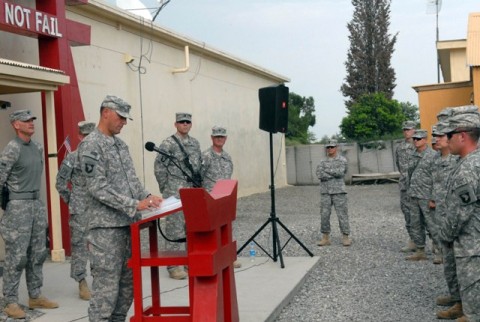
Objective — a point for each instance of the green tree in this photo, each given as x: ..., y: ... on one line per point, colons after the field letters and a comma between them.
x: 373, y: 117
x: 410, y: 111
x: 371, y: 47
x: 301, y: 116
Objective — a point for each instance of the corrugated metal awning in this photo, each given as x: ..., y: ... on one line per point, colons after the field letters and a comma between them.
x: 19, y: 77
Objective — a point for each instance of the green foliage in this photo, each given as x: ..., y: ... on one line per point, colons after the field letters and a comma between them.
x: 373, y: 117
x: 368, y: 64
x: 301, y: 116
x: 410, y: 111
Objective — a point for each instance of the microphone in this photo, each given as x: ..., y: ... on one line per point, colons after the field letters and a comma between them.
x: 150, y: 146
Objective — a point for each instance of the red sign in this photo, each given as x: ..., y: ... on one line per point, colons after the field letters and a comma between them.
x: 16, y: 18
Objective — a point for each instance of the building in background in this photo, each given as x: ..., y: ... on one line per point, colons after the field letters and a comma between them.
x: 63, y: 65
x: 460, y: 67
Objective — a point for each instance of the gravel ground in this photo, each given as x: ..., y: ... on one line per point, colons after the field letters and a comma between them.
x: 369, y: 281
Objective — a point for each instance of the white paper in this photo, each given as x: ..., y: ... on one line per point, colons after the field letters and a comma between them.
x: 168, y: 204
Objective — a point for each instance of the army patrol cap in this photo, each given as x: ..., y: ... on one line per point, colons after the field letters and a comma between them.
x: 118, y: 105
x: 86, y: 127
x: 219, y: 131
x: 179, y: 117
x: 464, y: 109
x: 420, y: 134
x: 439, y: 128
x: 463, y: 121
x: 408, y: 125
x: 331, y: 143
x: 21, y: 115
x: 444, y: 114
x: 434, y: 140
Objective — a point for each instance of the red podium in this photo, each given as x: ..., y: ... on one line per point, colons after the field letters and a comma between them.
x: 210, y: 254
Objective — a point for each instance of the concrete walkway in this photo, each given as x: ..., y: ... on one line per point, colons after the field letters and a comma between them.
x: 263, y: 289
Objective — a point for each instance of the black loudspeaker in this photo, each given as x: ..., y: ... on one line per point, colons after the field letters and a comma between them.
x: 273, y: 108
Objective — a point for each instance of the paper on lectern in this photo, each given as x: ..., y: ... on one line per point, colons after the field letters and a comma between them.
x: 171, y: 203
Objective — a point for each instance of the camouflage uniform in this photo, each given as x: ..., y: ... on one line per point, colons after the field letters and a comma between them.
x: 70, y: 172
x: 461, y: 225
x: 403, y: 153
x: 24, y: 223
x: 215, y: 167
x: 170, y: 179
x: 331, y: 173
x: 420, y: 185
x: 113, y: 194
x: 442, y: 167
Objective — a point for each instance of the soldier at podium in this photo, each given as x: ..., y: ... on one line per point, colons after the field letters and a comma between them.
x: 115, y: 195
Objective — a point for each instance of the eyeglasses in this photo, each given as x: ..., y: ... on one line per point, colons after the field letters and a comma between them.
x: 417, y: 139
x: 184, y: 122
x: 331, y: 147
x: 450, y: 134
x: 438, y: 135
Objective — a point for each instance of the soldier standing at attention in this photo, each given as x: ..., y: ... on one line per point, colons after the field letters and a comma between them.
x: 443, y: 165
x: 217, y: 164
x: 420, y: 186
x: 24, y: 223
x: 178, y: 173
x: 331, y: 173
x: 461, y: 225
x: 70, y: 172
x: 402, y: 154
x: 115, y: 194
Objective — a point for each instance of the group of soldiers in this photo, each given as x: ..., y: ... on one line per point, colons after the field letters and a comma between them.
x: 104, y: 195
x: 440, y: 198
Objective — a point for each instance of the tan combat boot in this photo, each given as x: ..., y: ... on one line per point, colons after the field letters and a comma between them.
x: 438, y: 259
x: 411, y: 247
x: 325, y: 240
x: 445, y: 300
x: 419, y: 255
x: 453, y: 312
x: 177, y: 273
x: 237, y: 264
x: 83, y: 290
x: 346, y: 241
x: 14, y: 311
x: 42, y: 302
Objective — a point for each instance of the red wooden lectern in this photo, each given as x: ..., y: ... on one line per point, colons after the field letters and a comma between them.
x: 210, y: 254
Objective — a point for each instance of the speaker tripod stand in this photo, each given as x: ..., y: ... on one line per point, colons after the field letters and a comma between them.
x: 274, y: 221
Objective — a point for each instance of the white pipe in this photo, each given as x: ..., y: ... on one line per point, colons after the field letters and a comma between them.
x: 187, y: 63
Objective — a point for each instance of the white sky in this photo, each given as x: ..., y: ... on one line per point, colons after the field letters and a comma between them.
x: 307, y: 41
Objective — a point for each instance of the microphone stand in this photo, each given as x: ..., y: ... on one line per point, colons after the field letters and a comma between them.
x: 195, y: 185
x: 274, y: 220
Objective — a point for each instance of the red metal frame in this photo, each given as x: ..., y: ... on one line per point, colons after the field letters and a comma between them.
x: 210, y: 254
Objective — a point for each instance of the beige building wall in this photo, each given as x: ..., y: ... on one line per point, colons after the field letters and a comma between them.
x: 217, y: 89
x: 453, y: 60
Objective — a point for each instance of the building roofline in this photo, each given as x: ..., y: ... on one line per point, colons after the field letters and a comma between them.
x: 433, y: 87
x: 123, y: 19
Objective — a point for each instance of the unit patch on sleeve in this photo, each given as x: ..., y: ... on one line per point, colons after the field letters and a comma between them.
x: 466, y: 194
x: 90, y: 163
